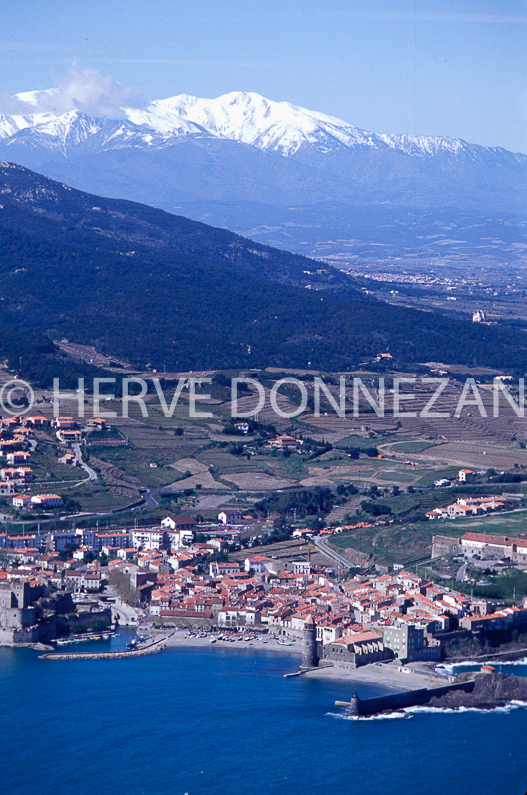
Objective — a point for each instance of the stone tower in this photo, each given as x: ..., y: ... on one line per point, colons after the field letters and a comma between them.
x: 309, y: 644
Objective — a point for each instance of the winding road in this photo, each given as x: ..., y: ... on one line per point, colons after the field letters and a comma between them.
x: 340, y: 559
x: 92, y: 475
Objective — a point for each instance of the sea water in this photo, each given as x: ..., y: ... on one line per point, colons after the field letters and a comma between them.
x: 213, y: 720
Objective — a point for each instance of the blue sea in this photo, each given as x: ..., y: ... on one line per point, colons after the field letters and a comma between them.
x: 208, y: 721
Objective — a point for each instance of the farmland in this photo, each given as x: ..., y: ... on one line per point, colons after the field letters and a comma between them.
x: 197, y: 464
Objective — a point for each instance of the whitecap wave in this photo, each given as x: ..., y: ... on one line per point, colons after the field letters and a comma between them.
x: 450, y: 667
x: 507, y: 707
x: 410, y: 712
x: 381, y: 716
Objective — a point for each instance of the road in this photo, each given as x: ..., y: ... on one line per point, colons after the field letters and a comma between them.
x: 461, y: 572
x: 92, y: 475
x: 149, y: 502
x: 126, y: 615
x: 321, y: 544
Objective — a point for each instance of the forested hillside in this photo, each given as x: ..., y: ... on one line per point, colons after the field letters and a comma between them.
x: 162, y: 290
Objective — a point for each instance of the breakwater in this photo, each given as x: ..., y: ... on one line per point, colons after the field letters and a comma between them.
x: 485, y: 690
x: 106, y: 655
x: 406, y: 698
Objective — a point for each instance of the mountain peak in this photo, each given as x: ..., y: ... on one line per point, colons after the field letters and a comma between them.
x: 244, y: 116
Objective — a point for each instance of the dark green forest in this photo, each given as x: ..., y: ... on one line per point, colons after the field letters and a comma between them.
x: 164, y: 291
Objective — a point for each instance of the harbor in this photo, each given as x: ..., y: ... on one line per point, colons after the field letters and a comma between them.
x: 141, y: 651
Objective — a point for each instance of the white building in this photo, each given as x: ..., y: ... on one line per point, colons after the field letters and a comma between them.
x: 230, y: 516
x: 149, y: 539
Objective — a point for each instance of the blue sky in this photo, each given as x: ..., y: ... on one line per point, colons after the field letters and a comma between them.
x: 429, y: 68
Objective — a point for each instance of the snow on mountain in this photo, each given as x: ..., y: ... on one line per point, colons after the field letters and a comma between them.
x: 276, y: 126
x: 246, y: 117
x: 241, y: 149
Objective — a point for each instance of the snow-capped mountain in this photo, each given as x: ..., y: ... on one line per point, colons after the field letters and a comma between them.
x: 246, y: 117
x: 269, y: 170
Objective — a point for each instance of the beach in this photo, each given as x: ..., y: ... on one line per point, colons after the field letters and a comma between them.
x: 387, y: 675
x: 264, y: 642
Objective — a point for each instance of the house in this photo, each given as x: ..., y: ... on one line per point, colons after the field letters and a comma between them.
x: 181, y: 522
x: 465, y: 475
x: 22, y: 501
x: 302, y: 533
x: 63, y: 423
x: 109, y: 550
x: 68, y: 459
x: 242, y: 427
x: 230, y: 516
x: 23, y: 474
x: 285, y: 443
x: 257, y: 563
x: 47, y: 500
x: 36, y: 422
x: 218, y: 569
x: 126, y: 553
x: 302, y: 567
x: 73, y: 580
x: 92, y: 582
x: 18, y: 457
x: 69, y: 437
x: 17, y: 475
x: 97, y: 423
x: 7, y: 488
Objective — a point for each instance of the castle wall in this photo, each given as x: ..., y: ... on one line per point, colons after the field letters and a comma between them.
x: 17, y: 618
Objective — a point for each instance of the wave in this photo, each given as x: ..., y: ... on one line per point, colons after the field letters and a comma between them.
x: 400, y: 714
x: 463, y: 664
x: 470, y: 663
x: 509, y: 706
x: 410, y: 712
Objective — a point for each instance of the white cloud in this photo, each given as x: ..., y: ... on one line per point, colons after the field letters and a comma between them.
x: 80, y: 89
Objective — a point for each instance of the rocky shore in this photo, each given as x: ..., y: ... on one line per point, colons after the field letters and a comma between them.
x: 489, y: 690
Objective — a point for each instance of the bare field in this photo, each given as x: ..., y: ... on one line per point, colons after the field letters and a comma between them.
x: 254, y: 481
x: 203, y: 479
x: 191, y: 465
x: 479, y: 455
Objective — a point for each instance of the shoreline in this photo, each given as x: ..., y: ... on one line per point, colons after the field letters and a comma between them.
x: 390, y: 675
x: 384, y: 675
x: 178, y: 640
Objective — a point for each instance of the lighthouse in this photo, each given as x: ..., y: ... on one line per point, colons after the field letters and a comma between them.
x: 309, y: 644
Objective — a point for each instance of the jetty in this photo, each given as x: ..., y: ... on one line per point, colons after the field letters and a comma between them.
x: 484, y: 690
x: 158, y: 645
x: 406, y: 698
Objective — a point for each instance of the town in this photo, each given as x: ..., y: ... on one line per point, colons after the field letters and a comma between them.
x: 171, y: 580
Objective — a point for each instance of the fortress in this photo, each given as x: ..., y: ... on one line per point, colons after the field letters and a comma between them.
x: 18, y: 620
